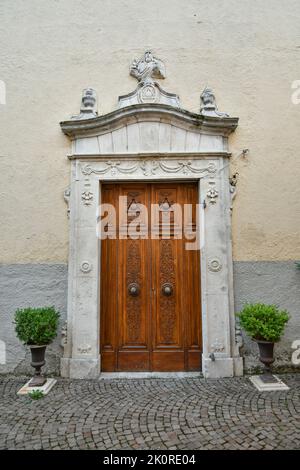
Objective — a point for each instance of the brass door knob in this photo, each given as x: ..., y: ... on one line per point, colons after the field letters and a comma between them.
x: 133, y: 289
x: 167, y: 289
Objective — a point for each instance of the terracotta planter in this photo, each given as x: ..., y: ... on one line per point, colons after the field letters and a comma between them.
x: 37, y: 361
x: 266, y: 354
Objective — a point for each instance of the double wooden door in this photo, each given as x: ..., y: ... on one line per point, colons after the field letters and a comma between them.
x: 150, y: 283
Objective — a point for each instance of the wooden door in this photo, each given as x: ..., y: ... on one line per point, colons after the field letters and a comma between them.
x: 150, y: 284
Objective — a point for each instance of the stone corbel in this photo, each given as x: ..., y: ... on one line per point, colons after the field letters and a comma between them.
x: 233, y: 188
x: 67, y: 195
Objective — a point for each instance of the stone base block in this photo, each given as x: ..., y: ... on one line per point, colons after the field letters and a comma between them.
x: 45, y: 388
x: 87, y: 368
x: 268, y: 387
x: 220, y: 367
x: 149, y: 375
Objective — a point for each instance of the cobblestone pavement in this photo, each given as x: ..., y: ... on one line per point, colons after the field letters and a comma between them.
x: 186, y: 413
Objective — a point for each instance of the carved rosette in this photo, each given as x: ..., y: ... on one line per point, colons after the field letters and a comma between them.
x: 86, y: 267
x: 214, y: 265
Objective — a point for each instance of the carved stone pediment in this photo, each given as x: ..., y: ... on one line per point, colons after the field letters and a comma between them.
x: 149, y: 119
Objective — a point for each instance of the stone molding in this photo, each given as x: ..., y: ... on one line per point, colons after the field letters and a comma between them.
x: 156, y: 112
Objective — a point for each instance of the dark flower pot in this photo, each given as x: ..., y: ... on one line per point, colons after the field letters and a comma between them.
x: 266, y: 354
x: 37, y: 361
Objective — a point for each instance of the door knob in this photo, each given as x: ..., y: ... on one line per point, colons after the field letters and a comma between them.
x: 133, y: 289
x: 167, y: 289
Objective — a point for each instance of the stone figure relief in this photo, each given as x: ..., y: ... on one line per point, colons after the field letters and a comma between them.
x: 208, y: 105
x: 147, y: 68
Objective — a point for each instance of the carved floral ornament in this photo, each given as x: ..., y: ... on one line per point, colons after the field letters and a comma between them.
x: 84, y: 349
x: 87, y: 197
x: 212, y: 195
x: 217, y: 346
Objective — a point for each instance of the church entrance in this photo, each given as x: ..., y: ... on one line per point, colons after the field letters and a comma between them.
x: 150, y: 279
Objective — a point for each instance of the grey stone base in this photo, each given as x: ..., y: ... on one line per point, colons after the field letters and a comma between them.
x: 149, y: 375
x: 269, y: 282
x: 45, y: 389
x: 222, y: 367
x: 88, y: 368
x: 30, y: 285
x: 46, y: 284
x: 268, y: 387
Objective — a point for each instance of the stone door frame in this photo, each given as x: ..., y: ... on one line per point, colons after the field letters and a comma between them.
x: 150, y: 142
x: 82, y: 350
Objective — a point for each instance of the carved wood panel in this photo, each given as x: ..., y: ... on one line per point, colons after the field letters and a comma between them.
x: 150, y: 286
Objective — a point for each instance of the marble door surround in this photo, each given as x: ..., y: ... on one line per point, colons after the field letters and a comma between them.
x: 149, y: 137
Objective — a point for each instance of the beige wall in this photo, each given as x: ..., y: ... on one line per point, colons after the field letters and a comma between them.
x: 247, y: 51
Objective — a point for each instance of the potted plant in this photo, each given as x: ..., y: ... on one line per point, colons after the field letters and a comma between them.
x: 265, y: 324
x: 37, y: 327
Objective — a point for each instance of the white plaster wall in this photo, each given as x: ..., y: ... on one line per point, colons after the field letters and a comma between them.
x: 247, y: 51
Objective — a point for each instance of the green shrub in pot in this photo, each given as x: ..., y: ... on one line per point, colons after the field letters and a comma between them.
x: 37, y: 327
x: 265, y: 324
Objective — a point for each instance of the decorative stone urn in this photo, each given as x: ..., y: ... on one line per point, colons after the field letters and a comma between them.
x: 37, y: 361
x: 266, y: 354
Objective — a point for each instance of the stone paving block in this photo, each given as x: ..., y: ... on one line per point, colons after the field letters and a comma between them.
x: 172, y: 413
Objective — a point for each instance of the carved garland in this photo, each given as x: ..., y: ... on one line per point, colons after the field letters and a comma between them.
x: 149, y: 167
